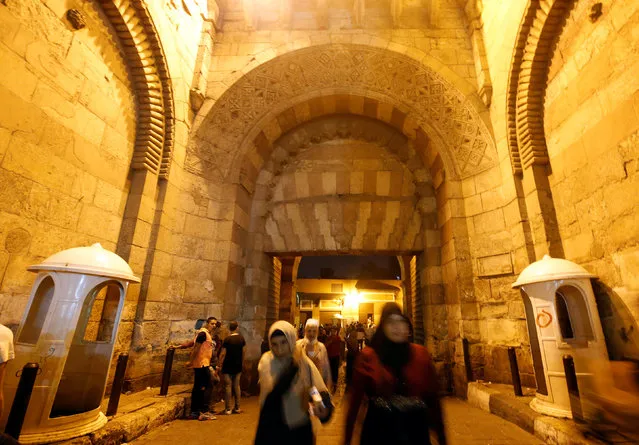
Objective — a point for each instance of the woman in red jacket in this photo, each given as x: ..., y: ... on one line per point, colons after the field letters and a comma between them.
x: 400, y: 385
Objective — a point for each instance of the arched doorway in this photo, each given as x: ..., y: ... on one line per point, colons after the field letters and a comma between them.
x: 345, y: 149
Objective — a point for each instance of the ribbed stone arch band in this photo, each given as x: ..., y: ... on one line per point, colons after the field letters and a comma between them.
x: 542, y: 24
x: 144, y: 57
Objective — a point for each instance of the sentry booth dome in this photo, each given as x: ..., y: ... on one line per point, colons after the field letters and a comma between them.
x: 69, y: 329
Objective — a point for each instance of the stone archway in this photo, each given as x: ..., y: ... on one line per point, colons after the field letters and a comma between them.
x: 414, y: 96
x: 441, y: 140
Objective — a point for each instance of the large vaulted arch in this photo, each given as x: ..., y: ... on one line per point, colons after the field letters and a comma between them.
x: 257, y: 150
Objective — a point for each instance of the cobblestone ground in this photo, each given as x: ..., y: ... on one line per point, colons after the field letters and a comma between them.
x: 465, y: 426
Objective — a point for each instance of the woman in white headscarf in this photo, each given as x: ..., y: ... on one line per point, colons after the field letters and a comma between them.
x: 315, y: 350
x: 287, y: 378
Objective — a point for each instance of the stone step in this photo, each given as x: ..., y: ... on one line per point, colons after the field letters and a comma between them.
x: 499, y: 399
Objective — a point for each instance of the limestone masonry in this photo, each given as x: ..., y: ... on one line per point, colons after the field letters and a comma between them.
x: 211, y: 144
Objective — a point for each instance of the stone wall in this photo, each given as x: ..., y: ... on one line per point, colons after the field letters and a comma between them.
x: 166, y: 252
x: 67, y: 126
x: 592, y: 127
x: 499, y: 238
x: 316, y: 127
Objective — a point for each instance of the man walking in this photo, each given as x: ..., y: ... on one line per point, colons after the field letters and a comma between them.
x: 6, y: 353
x: 231, y: 359
x: 200, y: 362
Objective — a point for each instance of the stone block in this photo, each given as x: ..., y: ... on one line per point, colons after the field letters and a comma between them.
x: 200, y: 292
x: 494, y: 310
x: 16, y: 76
x: 482, y: 290
x: 166, y: 289
x: 22, y: 115
x: 199, y: 227
x: 516, y: 310
x: 162, y: 263
x: 470, y: 311
x: 471, y: 330
x: 501, y: 289
x: 621, y: 197
x: 488, y: 180
x: 153, y: 333
x: 494, y: 265
x: 99, y: 223
x: 508, y: 407
x: 191, y: 269
x: 383, y: 183
x: 109, y: 198
x: 488, y: 222
x: 628, y: 263
x: 492, y: 199
x: 578, y: 248
x: 504, y: 332
x: 15, y: 191
x: 156, y: 310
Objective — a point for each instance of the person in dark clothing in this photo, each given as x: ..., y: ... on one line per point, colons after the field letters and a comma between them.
x: 400, y: 384
x: 352, y: 350
x: 321, y: 337
x: 231, y: 360
x: 334, y: 349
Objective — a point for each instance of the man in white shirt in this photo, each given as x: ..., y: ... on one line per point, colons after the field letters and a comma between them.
x: 6, y: 353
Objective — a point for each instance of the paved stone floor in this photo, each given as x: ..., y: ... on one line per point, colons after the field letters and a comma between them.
x: 465, y: 425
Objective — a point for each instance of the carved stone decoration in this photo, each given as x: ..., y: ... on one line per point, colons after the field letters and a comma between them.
x: 76, y: 19
x: 146, y: 61
x: 431, y: 99
x: 528, y: 80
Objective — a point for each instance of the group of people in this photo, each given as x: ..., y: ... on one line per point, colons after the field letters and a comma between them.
x: 211, y: 357
x: 394, y: 378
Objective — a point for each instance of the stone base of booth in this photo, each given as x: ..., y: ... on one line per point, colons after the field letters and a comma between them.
x: 499, y: 399
x: 137, y: 414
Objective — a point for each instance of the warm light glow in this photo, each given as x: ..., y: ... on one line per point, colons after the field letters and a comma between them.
x: 352, y: 299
